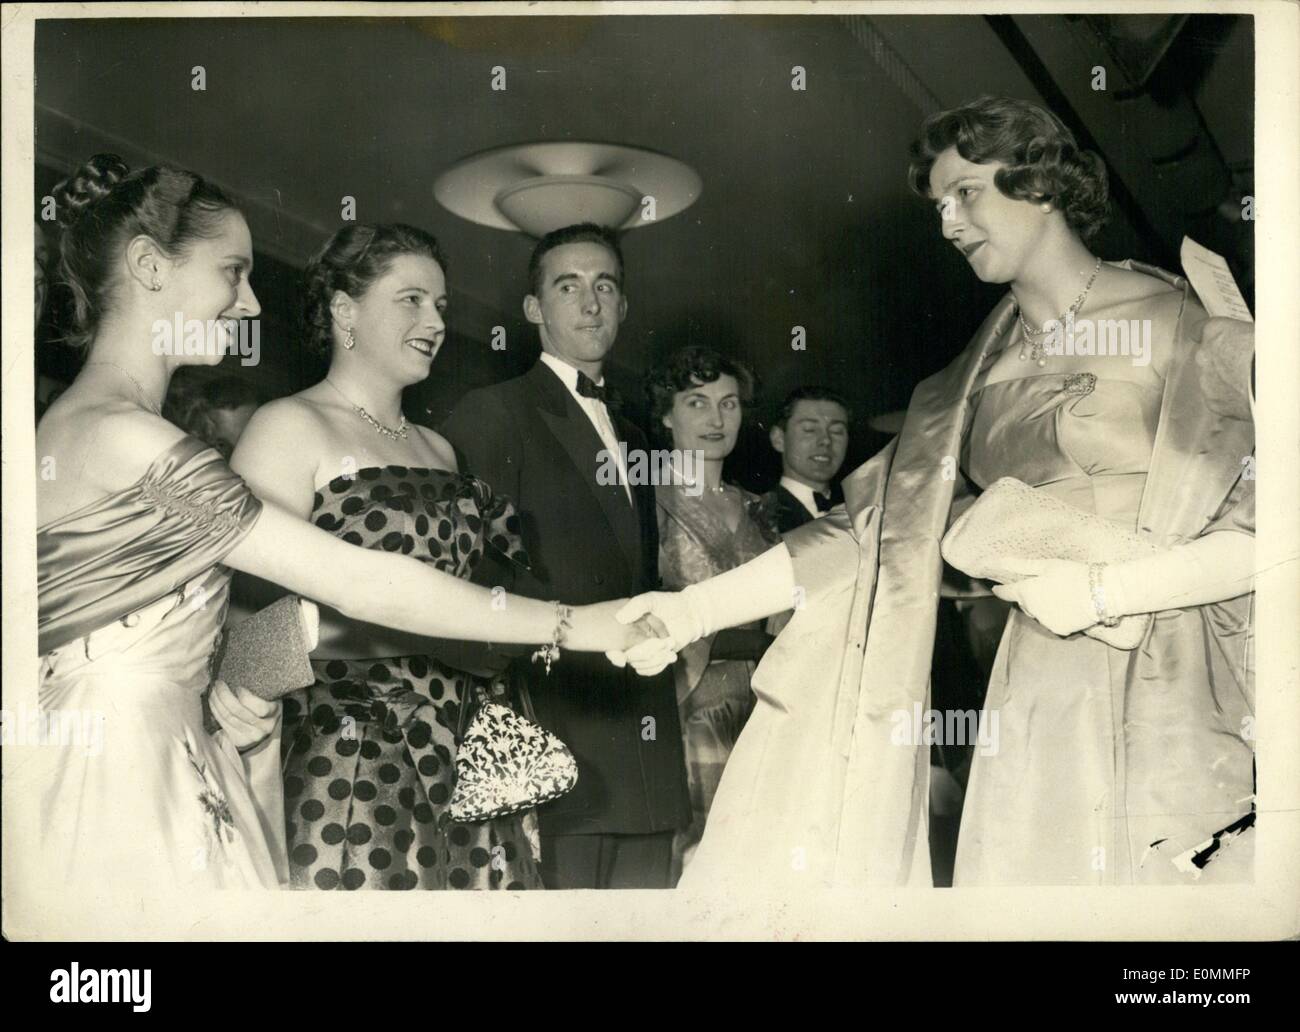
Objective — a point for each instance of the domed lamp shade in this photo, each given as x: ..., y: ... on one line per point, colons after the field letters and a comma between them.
x: 540, y: 187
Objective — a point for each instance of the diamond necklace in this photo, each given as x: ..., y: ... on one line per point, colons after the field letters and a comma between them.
x: 1027, y: 332
x: 387, y: 431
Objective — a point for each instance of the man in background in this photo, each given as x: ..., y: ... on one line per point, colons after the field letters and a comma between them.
x: 812, y: 436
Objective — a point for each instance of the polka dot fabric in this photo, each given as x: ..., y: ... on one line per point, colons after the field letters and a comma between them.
x: 370, y: 748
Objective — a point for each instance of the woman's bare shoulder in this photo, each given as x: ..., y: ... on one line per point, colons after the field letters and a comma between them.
x: 297, y: 424
x: 441, y: 447
x: 283, y: 443
x: 86, y: 449
x: 297, y: 412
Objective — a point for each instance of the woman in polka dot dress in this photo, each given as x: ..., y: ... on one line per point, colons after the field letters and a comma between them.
x: 370, y: 748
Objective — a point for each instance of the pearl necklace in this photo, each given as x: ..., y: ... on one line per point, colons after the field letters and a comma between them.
x: 1027, y: 332
x: 720, y: 489
x: 387, y: 431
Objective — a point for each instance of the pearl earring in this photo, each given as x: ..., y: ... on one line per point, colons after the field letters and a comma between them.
x: 351, y: 342
x: 155, y: 285
x: 1046, y: 208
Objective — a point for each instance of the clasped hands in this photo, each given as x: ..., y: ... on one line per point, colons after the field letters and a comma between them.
x: 670, y: 621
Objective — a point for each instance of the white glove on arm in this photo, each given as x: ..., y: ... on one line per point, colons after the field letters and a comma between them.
x: 760, y: 588
x: 1209, y: 569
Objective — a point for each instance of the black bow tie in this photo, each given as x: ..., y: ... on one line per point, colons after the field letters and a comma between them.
x: 588, y: 388
x: 826, y: 502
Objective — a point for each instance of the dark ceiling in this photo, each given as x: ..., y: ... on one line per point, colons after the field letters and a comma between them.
x: 805, y: 218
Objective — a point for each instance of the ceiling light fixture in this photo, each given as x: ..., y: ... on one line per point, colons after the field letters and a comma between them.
x: 539, y: 187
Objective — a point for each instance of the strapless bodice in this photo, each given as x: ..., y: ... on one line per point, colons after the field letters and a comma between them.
x: 438, y: 516
x: 1084, y: 439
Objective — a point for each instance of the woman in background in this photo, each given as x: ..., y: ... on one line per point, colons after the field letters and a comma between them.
x: 138, y: 526
x: 370, y: 748
x: 706, y: 526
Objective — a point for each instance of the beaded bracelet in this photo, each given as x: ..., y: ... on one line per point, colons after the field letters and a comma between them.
x: 1099, y: 596
x: 550, y: 652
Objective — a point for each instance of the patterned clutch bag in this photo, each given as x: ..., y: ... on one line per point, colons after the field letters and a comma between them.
x: 507, y: 763
x: 1013, y: 520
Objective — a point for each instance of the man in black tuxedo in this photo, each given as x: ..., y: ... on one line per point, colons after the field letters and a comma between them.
x: 812, y: 435
x: 550, y: 440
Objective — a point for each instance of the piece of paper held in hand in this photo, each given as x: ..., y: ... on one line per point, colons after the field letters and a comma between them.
x: 1213, y: 281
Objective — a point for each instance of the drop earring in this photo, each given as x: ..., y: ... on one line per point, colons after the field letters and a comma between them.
x: 351, y: 342
x: 155, y: 285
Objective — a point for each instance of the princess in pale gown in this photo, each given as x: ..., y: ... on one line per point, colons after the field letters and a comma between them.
x: 138, y: 528
x: 1111, y: 766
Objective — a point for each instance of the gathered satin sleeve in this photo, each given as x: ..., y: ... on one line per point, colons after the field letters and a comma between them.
x: 131, y: 548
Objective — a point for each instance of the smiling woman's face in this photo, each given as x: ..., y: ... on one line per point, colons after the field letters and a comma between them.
x: 998, y: 235
x: 400, y: 319
x: 706, y: 417
x: 212, y: 279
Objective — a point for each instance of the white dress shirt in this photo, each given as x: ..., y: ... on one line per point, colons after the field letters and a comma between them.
x: 804, y: 493
x: 596, y: 412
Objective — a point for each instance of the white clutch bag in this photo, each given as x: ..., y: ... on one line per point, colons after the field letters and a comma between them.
x: 1013, y: 520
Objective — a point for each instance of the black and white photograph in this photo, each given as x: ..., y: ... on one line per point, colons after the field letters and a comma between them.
x: 651, y: 471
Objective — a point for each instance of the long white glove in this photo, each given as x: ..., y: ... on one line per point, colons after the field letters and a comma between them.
x: 1212, y: 568
x: 761, y: 587
x: 1056, y: 592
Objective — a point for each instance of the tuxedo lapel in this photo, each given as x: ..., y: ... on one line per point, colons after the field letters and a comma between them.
x: 571, y: 428
x: 643, y: 495
x: 790, y: 511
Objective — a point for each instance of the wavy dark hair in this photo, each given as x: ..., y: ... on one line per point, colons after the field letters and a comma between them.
x: 689, y: 367
x: 580, y: 233
x: 1043, y: 161
x: 351, y: 260
x: 103, y: 206
x: 811, y: 392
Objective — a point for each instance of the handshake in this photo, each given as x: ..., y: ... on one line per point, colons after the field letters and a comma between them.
x: 667, y: 621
